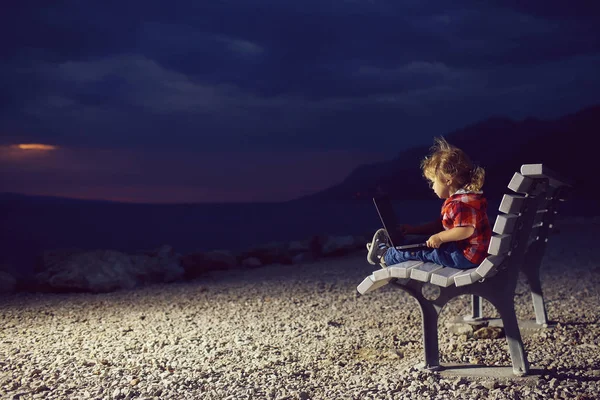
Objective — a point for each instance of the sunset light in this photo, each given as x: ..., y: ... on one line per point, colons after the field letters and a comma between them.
x: 36, y: 146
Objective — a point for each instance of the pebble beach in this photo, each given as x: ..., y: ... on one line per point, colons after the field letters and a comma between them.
x: 297, y: 332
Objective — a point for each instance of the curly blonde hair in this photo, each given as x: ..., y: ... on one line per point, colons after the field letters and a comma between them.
x: 449, y: 161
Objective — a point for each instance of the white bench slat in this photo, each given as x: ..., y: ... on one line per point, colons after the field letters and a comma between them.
x: 499, y: 245
x: 488, y: 265
x: 365, y: 285
x: 369, y: 284
x: 444, y: 277
x: 542, y: 171
x: 380, y: 274
x: 520, y: 183
x: 467, y: 277
x: 511, y: 204
x: 505, y: 223
x: 402, y: 270
x: 423, y: 272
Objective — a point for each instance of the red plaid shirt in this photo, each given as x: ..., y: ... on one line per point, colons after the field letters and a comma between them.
x: 469, y: 209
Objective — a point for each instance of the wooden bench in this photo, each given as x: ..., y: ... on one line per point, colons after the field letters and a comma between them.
x: 520, y: 234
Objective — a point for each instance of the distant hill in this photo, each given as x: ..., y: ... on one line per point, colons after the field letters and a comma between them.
x: 501, y: 146
x: 498, y: 144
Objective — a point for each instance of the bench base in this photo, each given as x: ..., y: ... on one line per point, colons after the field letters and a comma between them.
x: 449, y: 370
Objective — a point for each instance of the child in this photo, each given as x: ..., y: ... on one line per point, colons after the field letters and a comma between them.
x: 460, y: 237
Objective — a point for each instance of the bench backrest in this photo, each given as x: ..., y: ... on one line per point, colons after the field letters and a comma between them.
x: 526, y: 219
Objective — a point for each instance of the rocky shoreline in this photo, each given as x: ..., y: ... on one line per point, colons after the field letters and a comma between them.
x: 100, y: 271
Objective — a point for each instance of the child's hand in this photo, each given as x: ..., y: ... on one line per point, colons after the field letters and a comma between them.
x: 434, y: 241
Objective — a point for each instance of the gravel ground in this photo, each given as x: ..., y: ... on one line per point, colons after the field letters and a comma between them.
x: 294, y: 332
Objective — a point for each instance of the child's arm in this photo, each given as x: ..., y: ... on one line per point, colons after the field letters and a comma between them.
x: 451, y: 235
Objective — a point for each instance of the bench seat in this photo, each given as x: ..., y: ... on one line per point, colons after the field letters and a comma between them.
x: 519, y: 238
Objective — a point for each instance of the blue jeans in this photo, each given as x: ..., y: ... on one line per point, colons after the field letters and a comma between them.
x: 448, y: 255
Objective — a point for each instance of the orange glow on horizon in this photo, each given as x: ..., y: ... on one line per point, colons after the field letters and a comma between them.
x: 36, y: 146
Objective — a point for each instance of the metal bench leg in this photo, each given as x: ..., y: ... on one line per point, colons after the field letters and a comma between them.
x: 537, y: 296
x: 430, y: 312
x: 538, y: 303
x: 476, y: 309
x: 513, y: 336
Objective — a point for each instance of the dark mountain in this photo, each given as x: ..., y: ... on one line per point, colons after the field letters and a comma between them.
x: 500, y: 145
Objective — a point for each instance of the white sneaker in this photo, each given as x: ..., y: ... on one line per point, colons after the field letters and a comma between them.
x: 379, y: 246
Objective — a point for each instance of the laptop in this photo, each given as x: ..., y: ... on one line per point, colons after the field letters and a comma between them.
x: 385, y: 209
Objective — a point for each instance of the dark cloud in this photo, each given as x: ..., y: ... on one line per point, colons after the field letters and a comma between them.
x: 273, y: 76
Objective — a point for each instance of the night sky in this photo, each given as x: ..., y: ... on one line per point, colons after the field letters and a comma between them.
x: 236, y: 101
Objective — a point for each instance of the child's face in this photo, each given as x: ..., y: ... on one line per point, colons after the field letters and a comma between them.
x: 441, y: 186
